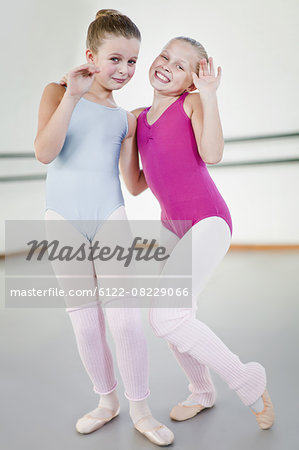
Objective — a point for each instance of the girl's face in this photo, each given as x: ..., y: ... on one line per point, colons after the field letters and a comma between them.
x: 116, y: 58
x: 171, y: 71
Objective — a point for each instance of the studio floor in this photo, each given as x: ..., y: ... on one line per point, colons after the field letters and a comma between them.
x: 251, y: 303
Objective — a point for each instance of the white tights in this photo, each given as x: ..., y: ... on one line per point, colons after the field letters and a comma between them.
x: 193, y: 343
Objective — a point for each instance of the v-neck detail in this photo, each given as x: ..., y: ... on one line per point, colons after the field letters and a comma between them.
x: 157, y: 120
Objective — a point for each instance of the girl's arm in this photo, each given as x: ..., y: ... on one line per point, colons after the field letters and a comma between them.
x: 129, y: 161
x: 54, y: 114
x: 205, y: 114
x: 55, y: 111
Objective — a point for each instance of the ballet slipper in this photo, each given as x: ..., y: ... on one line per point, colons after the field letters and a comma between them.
x: 265, y: 418
x: 90, y: 423
x: 182, y: 412
x: 159, y: 435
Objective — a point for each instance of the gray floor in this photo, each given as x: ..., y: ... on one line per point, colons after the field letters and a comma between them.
x: 251, y: 303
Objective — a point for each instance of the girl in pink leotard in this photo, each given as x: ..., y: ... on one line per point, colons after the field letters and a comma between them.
x: 177, y: 136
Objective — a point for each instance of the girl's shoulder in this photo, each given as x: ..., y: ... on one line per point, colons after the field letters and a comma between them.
x: 136, y: 112
x: 191, y: 102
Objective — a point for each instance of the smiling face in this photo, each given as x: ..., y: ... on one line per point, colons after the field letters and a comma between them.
x: 116, y: 58
x: 171, y: 71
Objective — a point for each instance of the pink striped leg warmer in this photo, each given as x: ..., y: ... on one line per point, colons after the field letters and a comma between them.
x: 89, y: 329
x: 199, y: 377
x: 131, y: 350
x: 197, y: 340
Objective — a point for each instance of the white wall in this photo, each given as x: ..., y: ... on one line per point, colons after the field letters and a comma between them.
x: 255, y: 43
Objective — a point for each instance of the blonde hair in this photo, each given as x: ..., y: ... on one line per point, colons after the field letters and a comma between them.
x: 110, y: 22
x: 202, y: 54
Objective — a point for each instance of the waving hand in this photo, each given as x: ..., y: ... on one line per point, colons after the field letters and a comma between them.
x: 206, y: 81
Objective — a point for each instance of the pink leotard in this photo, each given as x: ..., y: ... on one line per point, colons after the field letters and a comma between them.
x: 175, y: 172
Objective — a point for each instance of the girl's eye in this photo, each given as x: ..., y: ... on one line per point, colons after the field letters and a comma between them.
x: 165, y: 57
x: 132, y: 62
x: 115, y: 59
x: 180, y: 67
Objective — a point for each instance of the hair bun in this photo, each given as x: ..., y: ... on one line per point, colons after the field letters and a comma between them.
x: 107, y: 12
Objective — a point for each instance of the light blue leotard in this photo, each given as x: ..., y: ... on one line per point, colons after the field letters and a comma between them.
x: 83, y: 181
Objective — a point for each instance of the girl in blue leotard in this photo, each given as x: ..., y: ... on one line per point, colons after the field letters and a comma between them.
x: 81, y: 135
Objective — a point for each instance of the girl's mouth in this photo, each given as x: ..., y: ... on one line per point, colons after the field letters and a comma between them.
x: 161, y: 77
x: 119, y: 80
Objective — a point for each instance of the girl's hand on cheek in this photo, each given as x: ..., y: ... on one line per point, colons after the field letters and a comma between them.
x: 206, y: 81
x: 80, y: 79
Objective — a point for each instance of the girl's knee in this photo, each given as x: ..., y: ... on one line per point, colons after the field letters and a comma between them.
x: 164, y: 321
x: 88, y: 324
x: 125, y: 326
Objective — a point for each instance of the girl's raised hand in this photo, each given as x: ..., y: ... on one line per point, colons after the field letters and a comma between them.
x: 206, y: 81
x: 80, y: 79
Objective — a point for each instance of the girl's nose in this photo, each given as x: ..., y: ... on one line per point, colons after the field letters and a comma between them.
x: 166, y: 68
x: 123, y: 69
